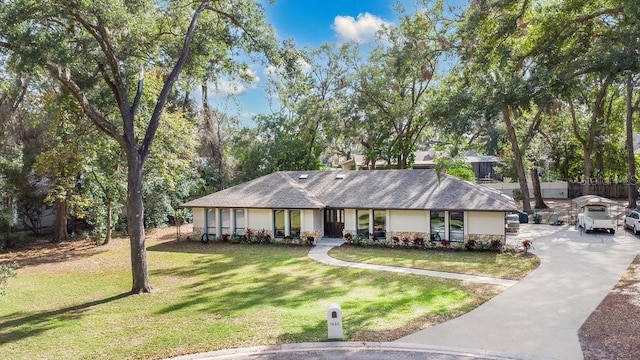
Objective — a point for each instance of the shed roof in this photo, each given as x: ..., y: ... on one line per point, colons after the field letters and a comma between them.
x: 365, y: 189
x: 592, y: 200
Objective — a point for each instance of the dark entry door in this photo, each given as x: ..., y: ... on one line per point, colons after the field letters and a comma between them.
x: 333, y: 222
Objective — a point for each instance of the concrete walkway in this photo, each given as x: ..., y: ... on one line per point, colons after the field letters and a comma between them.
x: 321, y: 253
x: 541, y: 315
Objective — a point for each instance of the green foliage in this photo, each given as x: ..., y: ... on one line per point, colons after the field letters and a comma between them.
x: 7, y: 219
x: 272, y: 147
x: 456, y: 166
x: 462, y: 173
x: 6, y: 271
x: 394, y: 83
x: 537, y: 218
x: 517, y: 195
x: 97, y: 51
x: 161, y: 200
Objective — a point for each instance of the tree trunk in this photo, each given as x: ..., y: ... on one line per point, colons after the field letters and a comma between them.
x: 537, y: 192
x: 632, y: 194
x: 135, y: 223
x: 600, y: 165
x: 522, y: 177
x: 107, y: 236
x: 60, y: 227
x: 586, y: 186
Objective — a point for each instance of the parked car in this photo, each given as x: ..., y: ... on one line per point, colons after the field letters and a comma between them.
x: 632, y: 221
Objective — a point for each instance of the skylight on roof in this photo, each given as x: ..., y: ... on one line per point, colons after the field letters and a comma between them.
x: 339, y: 176
x: 303, y: 176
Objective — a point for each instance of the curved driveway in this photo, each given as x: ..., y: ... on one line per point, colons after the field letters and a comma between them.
x: 540, y: 316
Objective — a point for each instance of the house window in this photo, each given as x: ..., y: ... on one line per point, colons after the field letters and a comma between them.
x: 239, y: 217
x: 278, y: 223
x: 294, y: 223
x: 437, y: 225
x: 363, y: 222
x: 456, y: 226
x: 211, y: 221
x: 379, y: 224
x: 225, y: 221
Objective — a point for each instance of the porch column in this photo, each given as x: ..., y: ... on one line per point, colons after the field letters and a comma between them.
x: 387, y: 221
x: 218, y: 224
x: 246, y: 219
x: 287, y: 223
x: 370, y: 223
x: 232, y: 221
x: 446, y: 225
x: 206, y: 221
x: 302, y: 227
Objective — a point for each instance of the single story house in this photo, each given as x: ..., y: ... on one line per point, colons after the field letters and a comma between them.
x: 379, y: 204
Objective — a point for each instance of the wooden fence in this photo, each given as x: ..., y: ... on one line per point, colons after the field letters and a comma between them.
x: 567, y: 190
x: 611, y: 191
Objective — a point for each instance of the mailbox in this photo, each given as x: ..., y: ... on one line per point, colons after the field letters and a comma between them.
x: 334, y: 321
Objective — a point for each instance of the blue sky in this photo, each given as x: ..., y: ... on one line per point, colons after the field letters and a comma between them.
x: 309, y: 23
x: 312, y: 22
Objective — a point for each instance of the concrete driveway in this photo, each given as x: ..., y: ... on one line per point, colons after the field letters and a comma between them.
x: 540, y: 316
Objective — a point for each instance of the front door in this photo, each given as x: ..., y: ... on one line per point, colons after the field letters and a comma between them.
x: 333, y: 222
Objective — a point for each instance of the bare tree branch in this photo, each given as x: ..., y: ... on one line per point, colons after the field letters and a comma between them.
x: 154, y: 122
x: 98, y: 119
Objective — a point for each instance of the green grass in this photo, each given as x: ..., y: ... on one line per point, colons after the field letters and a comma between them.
x: 512, y: 266
x: 209, y: 297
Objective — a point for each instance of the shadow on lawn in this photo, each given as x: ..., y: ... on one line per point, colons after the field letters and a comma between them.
x: 22, y: 325
x: 43, y: 251
x: 240, y: 277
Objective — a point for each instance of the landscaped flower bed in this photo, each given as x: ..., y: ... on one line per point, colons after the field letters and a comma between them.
x: 417, y: 240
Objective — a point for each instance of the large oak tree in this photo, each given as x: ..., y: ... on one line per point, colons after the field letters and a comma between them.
x: 97, y: 50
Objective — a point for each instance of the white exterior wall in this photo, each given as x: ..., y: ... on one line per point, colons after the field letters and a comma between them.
x: 198, y: 219
x: 475, y: 222
x: 549, y: 190
x: 312, y: 220
x: 408, y: 220
x: 318, y: 221
x: 486, y: 223
x: 307, y: 218
x: 350, y: 219
x: 260, y: 219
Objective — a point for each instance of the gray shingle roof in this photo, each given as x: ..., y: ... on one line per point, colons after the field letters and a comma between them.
x: 363, y: 189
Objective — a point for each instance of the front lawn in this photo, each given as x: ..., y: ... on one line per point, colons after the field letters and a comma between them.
x: 72, y: 303
x: 513, y: 266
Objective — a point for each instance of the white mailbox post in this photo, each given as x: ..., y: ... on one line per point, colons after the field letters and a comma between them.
x: 334, y: 321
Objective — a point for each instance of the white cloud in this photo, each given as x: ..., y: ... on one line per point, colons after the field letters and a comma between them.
x: 227, y: 86
x: 361, y: 29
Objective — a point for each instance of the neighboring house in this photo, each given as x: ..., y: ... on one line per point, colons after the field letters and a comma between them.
x: 379, y: 203
x: 484, y: 166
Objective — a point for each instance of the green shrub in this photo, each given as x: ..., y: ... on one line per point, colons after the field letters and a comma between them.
x: 537, y: 218
x: 517, y: 195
